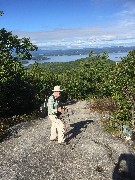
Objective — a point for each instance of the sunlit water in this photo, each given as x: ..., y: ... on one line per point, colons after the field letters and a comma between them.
x: 66, y: 58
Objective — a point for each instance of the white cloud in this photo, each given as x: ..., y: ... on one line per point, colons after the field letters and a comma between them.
x: 121, y: 31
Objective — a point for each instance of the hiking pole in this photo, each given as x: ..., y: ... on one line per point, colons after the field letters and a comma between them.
x: 72, y: 135
x: 68, y: 137
x: 66, y: 129
x: 65, y: 126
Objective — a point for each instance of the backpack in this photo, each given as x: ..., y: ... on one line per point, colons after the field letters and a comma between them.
x: 44, y: 108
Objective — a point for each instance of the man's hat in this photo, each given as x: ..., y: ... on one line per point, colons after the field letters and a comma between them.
x: 57, y: 88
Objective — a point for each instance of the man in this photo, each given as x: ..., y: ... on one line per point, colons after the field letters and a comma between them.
x: 54, y: 109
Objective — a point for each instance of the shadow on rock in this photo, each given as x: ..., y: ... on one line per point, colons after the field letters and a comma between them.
x: 125, y: 168
x: 14, y: 130
x: 77, y: 129
x: 71, y: 102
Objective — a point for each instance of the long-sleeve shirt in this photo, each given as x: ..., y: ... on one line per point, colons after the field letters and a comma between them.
x: 53, y: 104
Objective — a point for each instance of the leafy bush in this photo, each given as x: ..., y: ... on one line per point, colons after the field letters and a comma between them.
x: 122, y: 83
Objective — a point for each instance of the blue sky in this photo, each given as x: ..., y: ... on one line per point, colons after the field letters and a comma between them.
x: 65, y: 24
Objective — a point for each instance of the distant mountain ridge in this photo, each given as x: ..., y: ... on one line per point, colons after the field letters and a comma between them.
x: 83, y: 51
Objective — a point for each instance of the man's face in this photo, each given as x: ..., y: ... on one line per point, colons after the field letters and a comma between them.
x: 56, y: 94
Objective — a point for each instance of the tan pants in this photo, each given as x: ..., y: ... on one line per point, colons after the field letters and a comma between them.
x: 57, y: 129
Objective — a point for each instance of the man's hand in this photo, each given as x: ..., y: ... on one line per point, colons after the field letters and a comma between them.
x: 59, y: 109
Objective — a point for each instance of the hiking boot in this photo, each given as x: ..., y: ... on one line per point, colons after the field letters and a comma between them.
x: 63, y: 143
x: 53, y: 139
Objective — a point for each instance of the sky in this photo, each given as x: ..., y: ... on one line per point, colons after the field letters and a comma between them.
x: 68, y: 24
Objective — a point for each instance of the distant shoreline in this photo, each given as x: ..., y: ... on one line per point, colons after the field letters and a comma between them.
x: 66, y: 58
x: 84, y: 51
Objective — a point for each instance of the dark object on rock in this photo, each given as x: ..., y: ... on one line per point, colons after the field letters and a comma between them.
x: 99, y: 169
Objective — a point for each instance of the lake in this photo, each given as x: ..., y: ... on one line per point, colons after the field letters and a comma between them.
x: 66, y: 58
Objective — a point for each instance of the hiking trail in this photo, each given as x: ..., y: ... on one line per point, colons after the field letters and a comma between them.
x: 92, y: 153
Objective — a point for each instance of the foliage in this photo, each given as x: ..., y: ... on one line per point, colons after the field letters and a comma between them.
x: 17, y: 92
x: 59, y: 67
x: 88, y: 79
x: 46, y: 80
x: 81, y: 78
x: 122, y: 83
x: 14, y: 48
